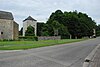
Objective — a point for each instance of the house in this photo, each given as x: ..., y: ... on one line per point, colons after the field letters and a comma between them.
x: 8, y: 27
x: 29, y: 21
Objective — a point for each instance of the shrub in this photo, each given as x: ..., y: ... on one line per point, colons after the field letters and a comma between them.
x: 28, y: 38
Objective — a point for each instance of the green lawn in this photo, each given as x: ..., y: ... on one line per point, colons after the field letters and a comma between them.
x: 20, y: 45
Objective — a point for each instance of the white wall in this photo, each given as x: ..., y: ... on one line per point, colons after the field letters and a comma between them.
x: 27, y: 23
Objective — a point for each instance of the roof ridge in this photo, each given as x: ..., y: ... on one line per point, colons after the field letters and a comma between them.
x: 6, y: 15
x: 29, y: 18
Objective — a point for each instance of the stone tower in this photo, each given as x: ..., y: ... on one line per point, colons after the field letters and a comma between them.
x: 8, y: 27
x: 27, y: 22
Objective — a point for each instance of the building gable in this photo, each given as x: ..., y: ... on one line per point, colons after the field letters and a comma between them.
x: 29, y: 18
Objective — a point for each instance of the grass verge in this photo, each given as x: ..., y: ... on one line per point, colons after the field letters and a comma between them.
x: 22, y: 45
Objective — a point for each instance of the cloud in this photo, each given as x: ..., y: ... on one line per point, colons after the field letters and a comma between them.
x: 41, y: 9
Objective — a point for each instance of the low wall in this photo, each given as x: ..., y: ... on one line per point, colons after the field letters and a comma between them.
x: 49, y: 37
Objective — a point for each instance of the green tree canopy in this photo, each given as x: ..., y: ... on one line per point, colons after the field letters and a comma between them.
x: 55, y: 25
x: 98, y: 30
x: 21, y: 31
x: 29, y: 31
x: 78, y: 24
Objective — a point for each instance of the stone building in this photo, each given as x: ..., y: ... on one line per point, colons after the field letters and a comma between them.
x: 8, y: 27
x: 29, y: 21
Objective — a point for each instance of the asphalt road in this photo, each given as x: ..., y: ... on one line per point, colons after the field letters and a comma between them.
x: 66, y: 55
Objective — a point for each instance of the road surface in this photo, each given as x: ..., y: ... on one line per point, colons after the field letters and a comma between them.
x: 66, y: 55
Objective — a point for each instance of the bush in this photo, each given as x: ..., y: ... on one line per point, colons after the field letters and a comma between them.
x: 7, y: 40
x: 28, y: 38
x: 65, y: 37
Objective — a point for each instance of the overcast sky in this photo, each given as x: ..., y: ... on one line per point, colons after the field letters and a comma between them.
x: 41, y: 9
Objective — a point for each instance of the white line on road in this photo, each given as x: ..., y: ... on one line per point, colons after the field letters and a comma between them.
x: 7, y: 51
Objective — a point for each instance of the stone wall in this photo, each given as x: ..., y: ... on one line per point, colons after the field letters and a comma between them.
x: 15, y: 30
x: 6, y: 29
x: 49, y: 37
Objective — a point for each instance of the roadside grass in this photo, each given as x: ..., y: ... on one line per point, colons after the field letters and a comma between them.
x: 22, y: 45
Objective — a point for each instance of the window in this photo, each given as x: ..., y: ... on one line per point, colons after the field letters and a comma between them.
x: 1, y: 32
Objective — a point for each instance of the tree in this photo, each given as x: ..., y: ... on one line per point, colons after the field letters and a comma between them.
x: 98, y: 30
x: 88, y: 22
x: 63, y: 31
x: 55, y: 20
x: 29, y: 31
x: 21, y: 31
x: 57, y: 16
x: 79, y: 24
x: 44, y: 30
x: 73, y: 24
x: 55, y: 25
x: 40, y: 27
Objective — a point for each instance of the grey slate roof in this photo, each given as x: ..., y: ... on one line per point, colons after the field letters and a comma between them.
x: 6, y: 15
x: 29, y: 18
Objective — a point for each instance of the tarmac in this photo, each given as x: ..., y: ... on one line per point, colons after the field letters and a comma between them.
x: 96, y: 59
